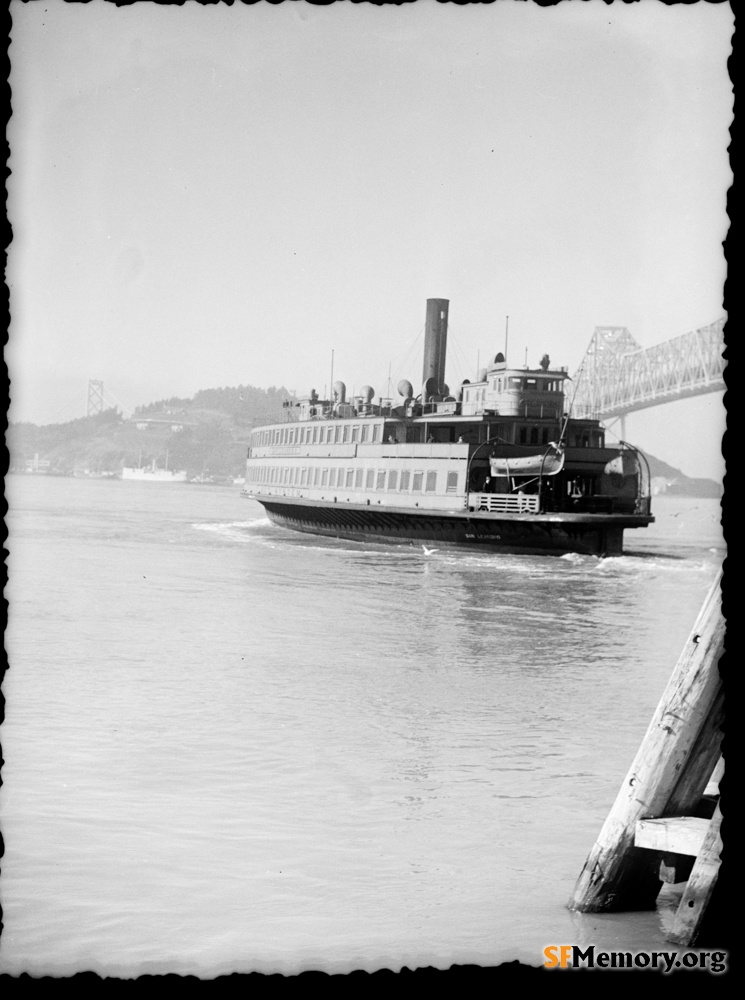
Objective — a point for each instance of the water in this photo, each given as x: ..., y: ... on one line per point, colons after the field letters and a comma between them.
x: 230, y: 747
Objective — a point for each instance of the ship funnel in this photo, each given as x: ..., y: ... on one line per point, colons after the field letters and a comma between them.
x: 340, y: 391
x: 435, y: 342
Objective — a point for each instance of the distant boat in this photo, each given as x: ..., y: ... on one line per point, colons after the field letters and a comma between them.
x: 152, y: 474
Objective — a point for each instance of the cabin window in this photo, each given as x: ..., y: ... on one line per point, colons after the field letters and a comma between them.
x: 363, y: 433
x: 405, y: 480
x: 523, y: 435
x: 358, y: 479
x: 350, y: 479
x: 369, y: 479
x: 376, y: 433
x: 392, y: 480
x: 431, y: 481
x: 346, y: 433
x: 324, y: 477
x: 544, y: 437
x: 337, y: 435
x: 452, y: 482
x: 534, y: 435
x: 380, y: 480
x: 314, y: 436
x: 303, y: 477
x: 417, y: 485
x: 316, y: 476
x: 355, y: 432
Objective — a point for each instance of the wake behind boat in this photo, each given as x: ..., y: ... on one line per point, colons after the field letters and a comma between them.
x: 502, y: 464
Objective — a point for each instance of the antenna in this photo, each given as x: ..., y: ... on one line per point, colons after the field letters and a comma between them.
x: 526, y: 357
x: 331, y: 381
x: 506, y: 336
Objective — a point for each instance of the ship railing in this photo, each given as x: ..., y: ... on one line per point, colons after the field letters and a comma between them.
x: 504, y: 503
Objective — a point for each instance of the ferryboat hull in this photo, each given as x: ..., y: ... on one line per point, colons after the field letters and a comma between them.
x: 520, y: 534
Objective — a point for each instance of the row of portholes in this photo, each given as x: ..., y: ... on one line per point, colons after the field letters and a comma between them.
x: 390, y: 480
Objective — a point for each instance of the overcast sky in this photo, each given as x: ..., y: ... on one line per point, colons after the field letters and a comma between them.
x: 214, y: 196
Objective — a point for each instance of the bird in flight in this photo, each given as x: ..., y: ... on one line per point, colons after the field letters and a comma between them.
x: 428, y: 552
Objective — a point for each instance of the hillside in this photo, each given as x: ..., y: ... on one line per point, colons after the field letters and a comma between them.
x: 672, y: 482
x: 207, y: 435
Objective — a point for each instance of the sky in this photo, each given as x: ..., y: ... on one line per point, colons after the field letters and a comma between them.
x: 207, y: 196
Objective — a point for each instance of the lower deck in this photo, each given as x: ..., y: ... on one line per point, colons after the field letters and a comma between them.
x: 511, y: 532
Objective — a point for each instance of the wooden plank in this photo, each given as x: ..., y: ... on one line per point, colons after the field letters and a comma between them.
x: 675, y: 868
x: 700, y: 886
x: 669, y: 773
x: 713, y: 787
x: 672, y: 835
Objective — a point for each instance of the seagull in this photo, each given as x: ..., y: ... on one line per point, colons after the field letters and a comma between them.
x: 428, y: 552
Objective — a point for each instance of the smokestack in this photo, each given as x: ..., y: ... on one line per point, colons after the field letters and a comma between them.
x: 435, y: 342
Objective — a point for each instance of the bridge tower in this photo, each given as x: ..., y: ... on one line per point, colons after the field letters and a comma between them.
x: 95, y: 398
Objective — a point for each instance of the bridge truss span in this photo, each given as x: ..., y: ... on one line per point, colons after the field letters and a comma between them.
x: 618, y: 376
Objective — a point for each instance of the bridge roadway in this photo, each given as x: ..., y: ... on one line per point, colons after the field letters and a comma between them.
x: 618, y: 376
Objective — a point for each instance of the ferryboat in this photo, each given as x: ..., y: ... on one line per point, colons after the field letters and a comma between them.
x: 502, y: 464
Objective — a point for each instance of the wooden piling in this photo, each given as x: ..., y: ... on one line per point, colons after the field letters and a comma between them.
x: 668, y: 776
